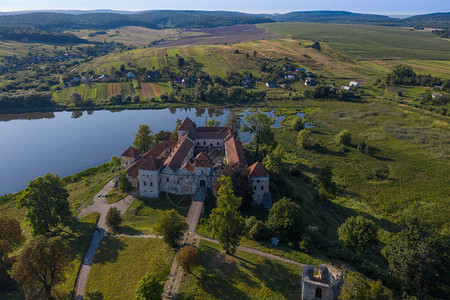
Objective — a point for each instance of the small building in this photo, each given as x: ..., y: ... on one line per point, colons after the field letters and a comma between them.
x: 345, y: 87
x: 309, y: 81
x: 103, y: 77
x: 438, y: 87
x: 289, y: 68
x: 436, y: 95
x: 301, y: 70
x: 270, y: 84
x: 289, y: 77
x: 326, y: 285
x: 179, y: 80
x: 130, y: 75
x: 260, y: 182
x: 354, y: 84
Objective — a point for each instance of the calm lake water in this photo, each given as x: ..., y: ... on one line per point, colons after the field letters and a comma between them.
x: 65, y: 143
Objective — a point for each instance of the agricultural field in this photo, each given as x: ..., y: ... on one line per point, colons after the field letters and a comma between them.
x: 11, y: 48
x: 133, y: 35
x: 120, y: 263
x: 369, y: 42
x: 240, y: 276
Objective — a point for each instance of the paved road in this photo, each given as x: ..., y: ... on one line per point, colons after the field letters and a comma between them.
x: 99, y: 206
x: 176, y: 274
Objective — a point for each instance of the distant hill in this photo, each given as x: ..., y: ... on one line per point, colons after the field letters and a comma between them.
x: 331, y: 17
x: 150, y: 19
x: 437, y: 20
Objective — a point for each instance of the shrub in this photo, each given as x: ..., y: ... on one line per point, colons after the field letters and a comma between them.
x: 344, y: 137
x: 113, y: 219
x: 149, y: 288
x: 188, y: 258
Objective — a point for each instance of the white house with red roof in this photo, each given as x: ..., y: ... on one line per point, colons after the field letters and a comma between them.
x: 181, y: 167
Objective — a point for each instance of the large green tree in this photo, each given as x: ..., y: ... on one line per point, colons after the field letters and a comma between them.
x: 171, y: 226
x: 41, y: 265
x: 46, y: 201
x: 113, y: 219
x: 143, y: 140
x: 285, y: 220
x: 226, y: 220
x: 258, y: 124
x: 11, y: 236
x: 304, y: 138
x: 149, y: 288
x: 357, y: 233
x: 241, y: 184
x: 233, y: 120
x: 357, y: 287
x: 274, y: 161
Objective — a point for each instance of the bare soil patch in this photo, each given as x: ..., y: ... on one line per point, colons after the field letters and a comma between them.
x: 222, y: 35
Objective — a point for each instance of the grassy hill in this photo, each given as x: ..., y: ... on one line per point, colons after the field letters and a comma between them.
x: 369, y: 42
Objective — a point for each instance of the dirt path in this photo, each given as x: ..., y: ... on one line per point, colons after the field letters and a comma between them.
x: 190, y: 238
x: 99, y: 206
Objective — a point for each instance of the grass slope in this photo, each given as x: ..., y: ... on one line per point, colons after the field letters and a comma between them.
x: 369, y: 42
x: 241, y: 276
x: 120, y: 263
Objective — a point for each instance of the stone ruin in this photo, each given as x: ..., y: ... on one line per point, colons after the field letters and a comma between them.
x: 325, y: 285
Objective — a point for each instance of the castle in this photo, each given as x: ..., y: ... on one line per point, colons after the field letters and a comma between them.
x: 194, y: 161
x: 325, y: 285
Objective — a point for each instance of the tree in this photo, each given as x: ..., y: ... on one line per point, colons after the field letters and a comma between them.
x: 11, y: 236
x: 304, y: 138
x: 247, y: 56
x: 356, y: 287
x: 236, y: 51
x: 171, y: 226
x: 113, y: 219
x: 124, y: 183
x: 226, y: 220
x: 180, y: 62
x: 325, y: 179
x: 255, y: 54
x: 149, y: 288
x: 298, y: 124
x: 284, y: 220
x: 162, y: 136
x: 41, y: 265
x: 344, y: 137
x: 46, y: 201
x: 361, y: 147
x: 143, y: 140
x: 188, y: 258
x: 258, y: 124
x: 233, y: 121
x: 213, y: 123
x: 76, y: 99
x: 136, y: 99
x: 241, y: 183
x: 274, y: 161
x: 420, y: 261
x: 357, y: 233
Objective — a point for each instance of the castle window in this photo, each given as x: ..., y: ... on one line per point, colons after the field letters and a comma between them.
x: 198, y: 143
x: 318, y: 293
x: 218, y: 143
x: 145, y: 182
x: 204, y: 143
x: 254, y: 188
x: 151, y: 183
x: 167, y: 179
x: 257, y: 181
x: 262, y: 187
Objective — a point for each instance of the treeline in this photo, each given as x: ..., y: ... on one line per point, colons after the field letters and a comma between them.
x: 406, y: 76
x: 39, y: 36
x: 442, y: 33
x: 150, y: 19
x: 25, y: 100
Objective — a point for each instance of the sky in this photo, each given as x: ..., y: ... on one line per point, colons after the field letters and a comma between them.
x: 387, y: 7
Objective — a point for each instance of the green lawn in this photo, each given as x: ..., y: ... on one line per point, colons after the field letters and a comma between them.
x: 141, y: 216
x: 240, y: 276
x: 369, y: 42
x: 120, y: 263
x: 115, y: 195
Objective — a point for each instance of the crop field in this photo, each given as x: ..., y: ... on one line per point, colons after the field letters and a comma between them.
x: 133, y: 35
x: 369, y: 42
x: 102, y: 91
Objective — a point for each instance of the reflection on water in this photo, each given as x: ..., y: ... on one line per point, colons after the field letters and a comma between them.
x: 64, y: 143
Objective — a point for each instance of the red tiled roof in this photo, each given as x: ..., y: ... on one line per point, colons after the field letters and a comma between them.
x: 187, y: 124
x: 258, y: 170
x: 131, y: 152
x: 178, y: 155
x: 187, y: 166
x: 160, y: 148
x: 235, y: 152
x: 202, y: 160
x: 150, y: 163
x: 133, y: 169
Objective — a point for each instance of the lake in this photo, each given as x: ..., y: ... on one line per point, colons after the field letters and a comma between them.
x: 65, y: 143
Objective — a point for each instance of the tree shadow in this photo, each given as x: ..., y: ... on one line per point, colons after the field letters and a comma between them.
x: 108, y: 250
x: 129, y: 230
x: 95, y: 296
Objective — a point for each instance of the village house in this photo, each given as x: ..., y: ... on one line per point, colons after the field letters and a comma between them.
x: 354, y: 84
x: 194, y: 161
